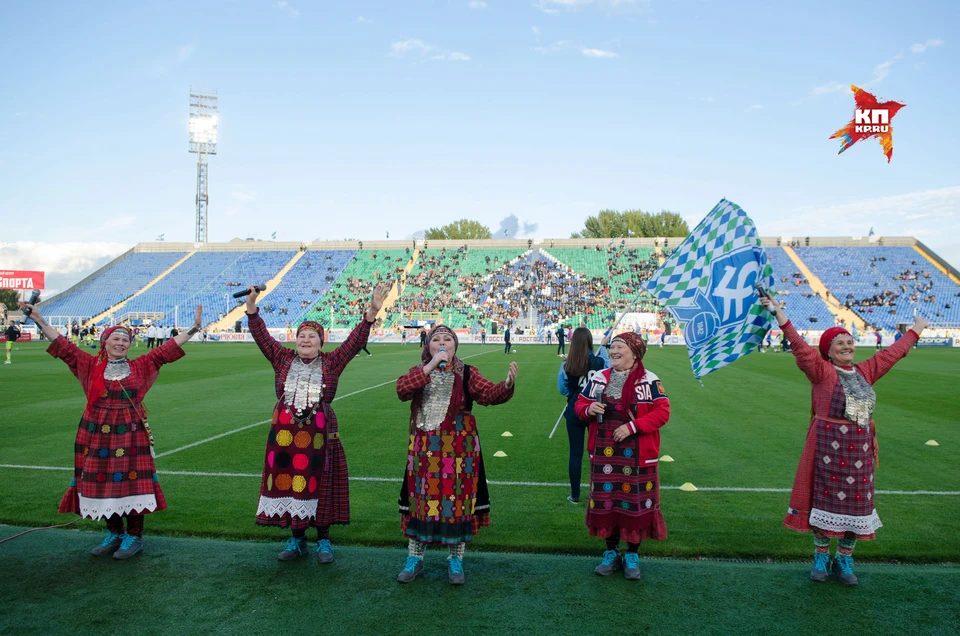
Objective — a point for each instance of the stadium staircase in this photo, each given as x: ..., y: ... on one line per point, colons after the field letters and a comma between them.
x: 940, y: 267
x: 227, y: 322
x: 113, y: 310
x: 397, y: 289
x: 847, y: 315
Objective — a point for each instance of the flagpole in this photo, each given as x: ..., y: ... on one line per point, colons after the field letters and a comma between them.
x: 558, y: 422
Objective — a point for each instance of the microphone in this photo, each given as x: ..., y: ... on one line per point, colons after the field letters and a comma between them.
x: 761, y: 291
x: 443, y: 363
x: 34, y: 297
x: 246, y: 292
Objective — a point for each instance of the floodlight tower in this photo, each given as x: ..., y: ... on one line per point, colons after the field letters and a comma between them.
x: 203, y: 141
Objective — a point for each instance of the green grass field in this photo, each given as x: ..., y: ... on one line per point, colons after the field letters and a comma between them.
x: 743, y: 430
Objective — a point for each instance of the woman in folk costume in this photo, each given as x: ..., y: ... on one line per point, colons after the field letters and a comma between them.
x: 444, y: 496
x: 626, y: 405
x: 833, y: 491
x: 304, y: 479
x: 114, y: 476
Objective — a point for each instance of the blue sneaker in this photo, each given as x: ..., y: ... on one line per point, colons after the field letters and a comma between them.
x: 610, y: 564
x: 455, y: 571
x: 631, y: 566
x: 325, y: 551
x: 820, y: 562
x: 411, y: 569
x: 843, y: 569
x: 295, y: 548
x: 130, y: 546
x: 110, y: 545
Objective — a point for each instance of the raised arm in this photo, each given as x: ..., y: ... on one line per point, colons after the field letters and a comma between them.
x: 486, y: 393
x: 806, y: 357
x: 357, y: 339
x: 184, y: 336
x: 48, y: 332
x: 272, y: 350
x: 878, y: 365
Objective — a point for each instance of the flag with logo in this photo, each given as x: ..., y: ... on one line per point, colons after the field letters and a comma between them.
x: 708, y: 285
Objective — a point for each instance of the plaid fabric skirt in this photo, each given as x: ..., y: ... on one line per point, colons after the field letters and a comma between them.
x: 305, y: 480
x: 114, y: 473
x: 833, y: 491
x: 624, y: 486
x: 444, y: 496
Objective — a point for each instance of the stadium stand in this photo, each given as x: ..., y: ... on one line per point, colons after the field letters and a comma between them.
x: 120, y: 280
x: 884, y: 285
x: 348, y: 297
x: 303, y: 287
x: 210, y: 279
x: 807, y: 310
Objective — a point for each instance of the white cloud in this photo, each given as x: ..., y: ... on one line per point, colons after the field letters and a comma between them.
x: 284, y: 6
x: 929, y: 44
x: 360, y: 19
x: 933, y: 213
x: 881, y: 71
x: 477, y: 4
x: 536, y: 31
x: 560, y: 45
x: 599, y: 53
x: 243, y: 196
x: 412, y: 45
x: 754, y: 107
x: 184, y: 53
x: 400, y: 49
x: 69, y: 262
x: 556, y: 6
x: 831, y: 87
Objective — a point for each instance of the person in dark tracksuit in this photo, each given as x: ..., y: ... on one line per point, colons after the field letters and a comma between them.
x: 561, y: 341
x: 575, y: 373
x: 506, y: 340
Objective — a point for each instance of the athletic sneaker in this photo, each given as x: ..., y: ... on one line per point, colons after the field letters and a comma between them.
x: 411, y: 569
x: 455, y: 571
x: 6, y: 362
x: 631, y: 566
x: 843, y: 569
x: 130, y: 546
x: 295, y: 548
x: 610, y: 564
x: 820, y: 562
x: 572, y: 499
x: 110, y: 545
x: 325, y: 551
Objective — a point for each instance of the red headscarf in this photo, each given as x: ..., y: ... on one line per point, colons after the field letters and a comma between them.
x: 827, y: 339
x: 98, y: 386
x: 310, y: 324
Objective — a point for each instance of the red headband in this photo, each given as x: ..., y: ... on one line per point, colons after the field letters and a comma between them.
x: 827, y: 339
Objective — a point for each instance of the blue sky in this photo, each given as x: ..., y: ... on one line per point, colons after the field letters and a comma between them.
x: 352, y: 119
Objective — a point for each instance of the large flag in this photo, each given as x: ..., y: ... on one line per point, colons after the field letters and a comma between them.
x: 708, y: 286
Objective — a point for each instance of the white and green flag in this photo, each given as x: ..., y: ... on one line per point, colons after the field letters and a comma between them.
x: 708, y: 285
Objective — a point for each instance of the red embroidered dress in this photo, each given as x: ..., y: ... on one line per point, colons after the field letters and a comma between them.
x: 624, y: 482
x: 833, y: 488
x: 114, y: 472
x: 443, y: 498
x: 304, y: 479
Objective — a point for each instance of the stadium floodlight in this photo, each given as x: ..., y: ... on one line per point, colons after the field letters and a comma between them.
x: 204, y: 120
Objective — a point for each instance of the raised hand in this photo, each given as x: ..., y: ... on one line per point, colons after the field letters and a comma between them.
x: 252, y: 299
x: 198, y: 317
x: 511, y: 375
x: 919, y: 324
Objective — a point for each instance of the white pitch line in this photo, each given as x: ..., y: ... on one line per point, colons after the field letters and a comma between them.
x: 243, y: 428
x: 548, y: 484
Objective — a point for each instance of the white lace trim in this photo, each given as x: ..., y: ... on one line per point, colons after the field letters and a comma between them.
x: 301, y: 508
x: 103, y: 508
x: 845, y: 523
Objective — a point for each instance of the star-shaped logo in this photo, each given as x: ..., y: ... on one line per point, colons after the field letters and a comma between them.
x: 871, y: 119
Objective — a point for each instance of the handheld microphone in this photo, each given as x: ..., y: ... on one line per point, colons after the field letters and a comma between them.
x: 761, y: 291
x: 34, y: 297
x: 443, y: 363
x: 246, y: 292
